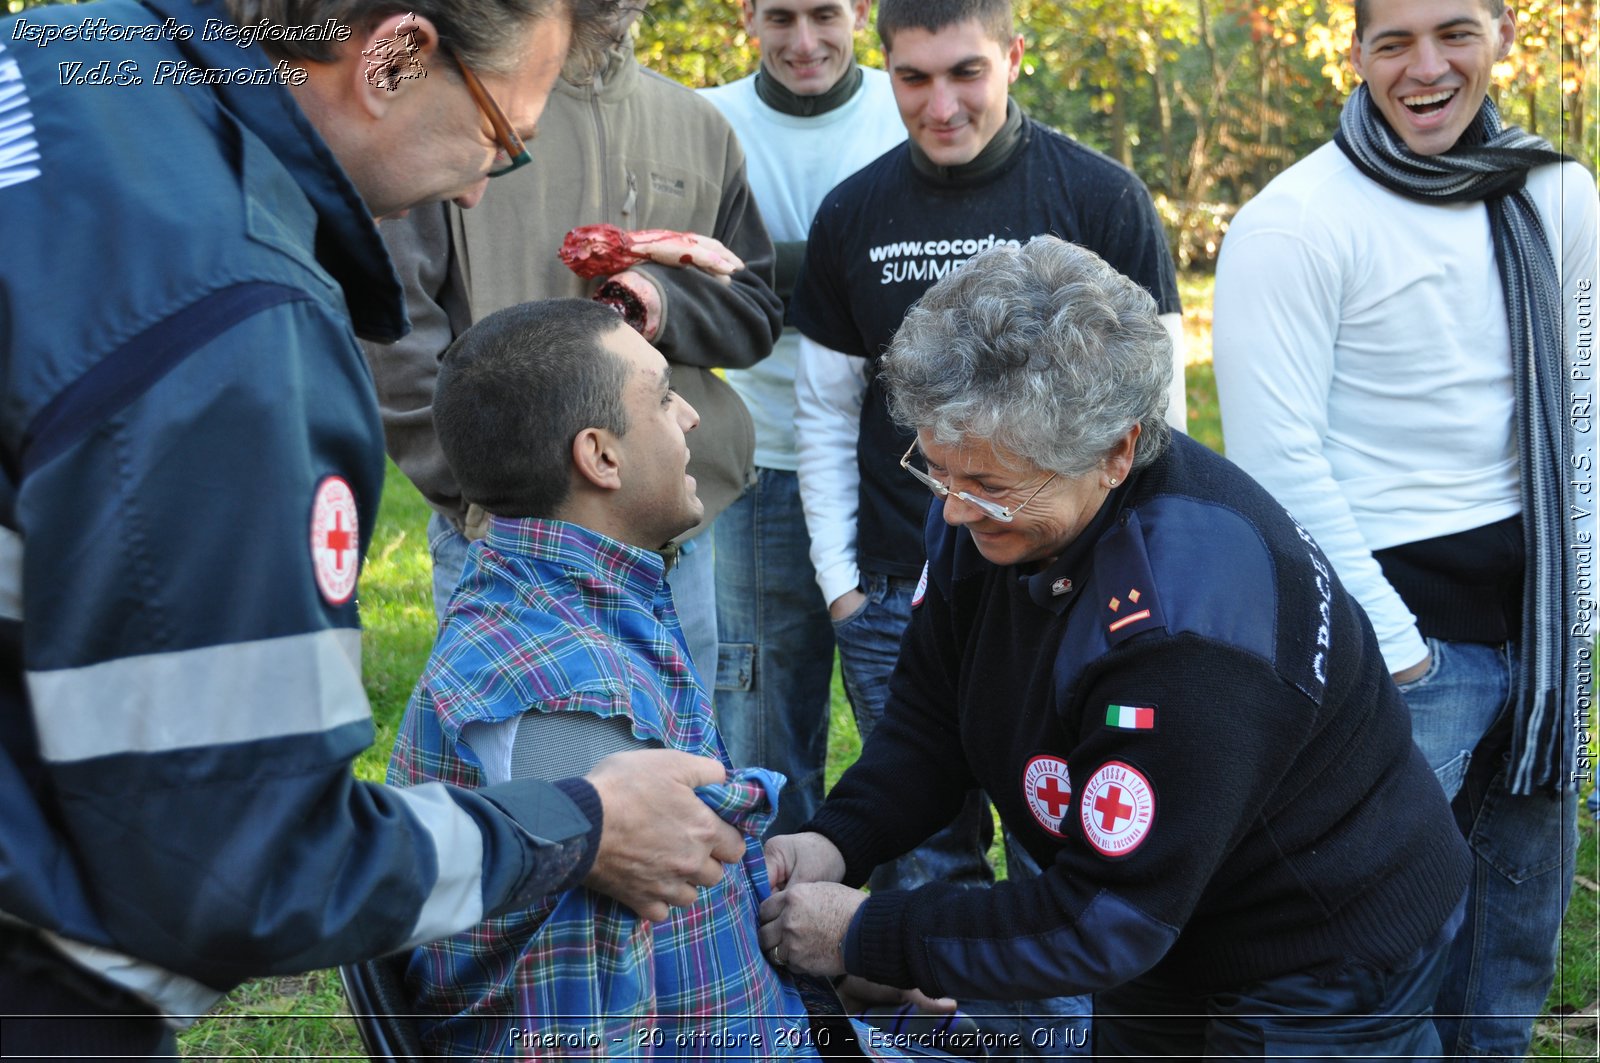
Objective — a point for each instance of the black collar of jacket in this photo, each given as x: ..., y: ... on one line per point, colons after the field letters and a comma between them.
x: 776, y: 95
x: 1072, y: 569
x: 996, y: 155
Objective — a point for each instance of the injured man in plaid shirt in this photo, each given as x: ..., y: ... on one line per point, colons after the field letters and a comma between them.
x: 561, y: 646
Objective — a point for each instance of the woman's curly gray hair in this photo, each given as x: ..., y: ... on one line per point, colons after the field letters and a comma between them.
x: 1042, y: 350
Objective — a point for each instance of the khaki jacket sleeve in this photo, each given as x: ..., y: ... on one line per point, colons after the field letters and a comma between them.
x: 404, y: 371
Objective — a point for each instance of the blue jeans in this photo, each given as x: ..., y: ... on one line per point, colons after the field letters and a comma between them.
x: 869, y: 645
x: 694, y: 594
x: 448, y: 549
x: 1524, y: 851
x: 775, y: 662
x: 1349, y: 1010
x: 693, y: 582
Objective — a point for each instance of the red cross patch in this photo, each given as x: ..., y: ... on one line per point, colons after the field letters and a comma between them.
x: 1117, y: 809
x: 335, y: 544
x: 1048, y: 788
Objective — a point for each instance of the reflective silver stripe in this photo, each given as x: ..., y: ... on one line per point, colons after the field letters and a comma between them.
x: 10, y: 575
x: 218, y: 695
x: 457, y: 898
x: 181, y: 1000
x: 19, y: 146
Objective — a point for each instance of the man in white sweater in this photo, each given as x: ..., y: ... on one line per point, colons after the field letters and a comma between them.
x: 1396, y: 340
x: 808, y: 118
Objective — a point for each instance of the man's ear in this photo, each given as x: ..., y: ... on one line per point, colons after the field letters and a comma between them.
x: 747, y: 16
x: 394, y: 53
x: 862, y: 7
x: 1014, y: 59
x: 595, y: 458
x: 1507, y: 29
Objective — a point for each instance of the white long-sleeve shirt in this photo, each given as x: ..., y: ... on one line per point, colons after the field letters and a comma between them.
x: 829, y: 390
x: 1363, y: 362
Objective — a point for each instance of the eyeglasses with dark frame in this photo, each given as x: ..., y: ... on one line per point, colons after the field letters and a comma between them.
x: 515, y: 152
x: 992, y: 510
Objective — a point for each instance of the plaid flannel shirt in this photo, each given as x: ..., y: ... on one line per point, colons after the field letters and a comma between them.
x: 552, y: 617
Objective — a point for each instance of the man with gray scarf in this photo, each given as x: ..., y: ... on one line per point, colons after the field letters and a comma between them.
x: 1393, y: 317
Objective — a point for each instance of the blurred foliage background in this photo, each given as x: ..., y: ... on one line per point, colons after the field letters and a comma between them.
x: 1205, y: 99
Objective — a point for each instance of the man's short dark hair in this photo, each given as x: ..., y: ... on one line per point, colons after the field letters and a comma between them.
x: 515, y: 390
x: 481, y: 33
x: 1496, y: 8
x: 934, y: 15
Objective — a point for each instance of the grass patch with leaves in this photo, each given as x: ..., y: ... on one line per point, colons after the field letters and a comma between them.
x: 1569, y: 1031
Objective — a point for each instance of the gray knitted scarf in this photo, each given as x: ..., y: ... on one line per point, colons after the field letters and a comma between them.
x: 1490, y: 163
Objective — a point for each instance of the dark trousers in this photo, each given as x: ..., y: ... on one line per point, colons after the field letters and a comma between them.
x: 47, y: 1012
x: 1347, y: 1011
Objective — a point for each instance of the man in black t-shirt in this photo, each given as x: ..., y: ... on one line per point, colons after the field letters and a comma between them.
x: 976, y: 172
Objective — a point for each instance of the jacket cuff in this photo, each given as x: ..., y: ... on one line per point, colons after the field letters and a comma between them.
x: 873, y: 944
x: 559, y: 830
x: 852, y: 941
x: 647, y: 272
x: 581, y: 793
x: 786, y: 268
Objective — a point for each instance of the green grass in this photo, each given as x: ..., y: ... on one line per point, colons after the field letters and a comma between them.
x: 278, y: 1018
x: 1570, y: 1030
x: 302, y: 1017
x: 396, y: 613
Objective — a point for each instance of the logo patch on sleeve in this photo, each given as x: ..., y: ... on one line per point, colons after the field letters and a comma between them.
x: 335, y: 542
x: 1048, y: 788
x: 1117, y: 809
x: 1131, y: 717
x: 922, y: 587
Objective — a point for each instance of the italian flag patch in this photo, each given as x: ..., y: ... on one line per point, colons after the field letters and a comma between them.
x: 1131, y: 717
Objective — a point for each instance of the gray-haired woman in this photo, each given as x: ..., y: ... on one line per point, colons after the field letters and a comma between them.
x: 1176, y: 708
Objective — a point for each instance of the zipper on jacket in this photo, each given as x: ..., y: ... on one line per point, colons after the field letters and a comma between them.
x: 600, y: 142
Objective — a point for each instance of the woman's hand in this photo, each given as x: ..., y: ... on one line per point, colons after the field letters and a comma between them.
x: 803, y: 927
x: 796, y: 858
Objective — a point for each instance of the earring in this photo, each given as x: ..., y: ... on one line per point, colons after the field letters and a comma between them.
x: 1113, y: 482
